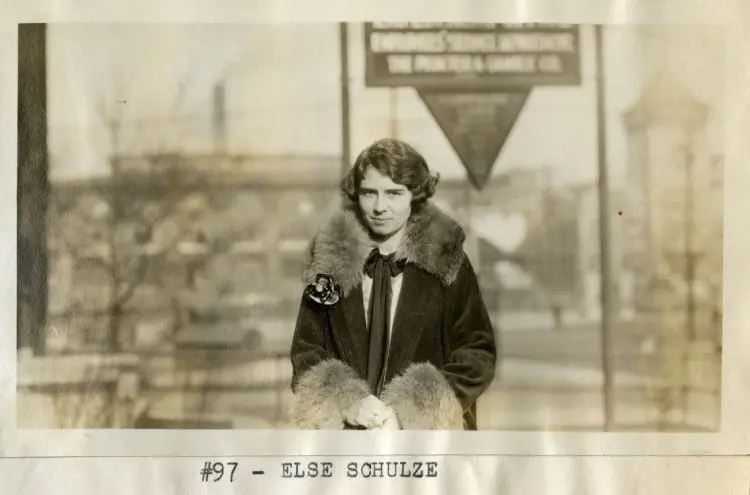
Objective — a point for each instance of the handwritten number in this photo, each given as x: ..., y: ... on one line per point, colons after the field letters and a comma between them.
x: 219, y: 469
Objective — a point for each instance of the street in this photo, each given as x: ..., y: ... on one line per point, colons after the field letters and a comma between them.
x: 576, y: 345
x: 552, y: 379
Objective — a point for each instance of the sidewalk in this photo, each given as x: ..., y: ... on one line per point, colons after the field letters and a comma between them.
x: 514, y: 372
x: 533, y: 396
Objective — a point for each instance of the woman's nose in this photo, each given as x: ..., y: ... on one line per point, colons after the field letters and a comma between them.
x: 380, y: 205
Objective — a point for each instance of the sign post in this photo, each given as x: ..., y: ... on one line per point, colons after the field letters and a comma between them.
x: 606, y: 291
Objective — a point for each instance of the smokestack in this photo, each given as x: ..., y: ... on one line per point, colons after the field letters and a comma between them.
x: 219, y: 117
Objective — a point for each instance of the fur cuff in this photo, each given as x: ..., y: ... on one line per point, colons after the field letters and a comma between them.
x: 323, y: 393
x: 424, y: 400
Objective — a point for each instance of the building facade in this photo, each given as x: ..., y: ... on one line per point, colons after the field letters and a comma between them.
x: 192, y: 265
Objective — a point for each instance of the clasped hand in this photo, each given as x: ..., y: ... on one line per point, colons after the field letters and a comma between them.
x: 372, y: 414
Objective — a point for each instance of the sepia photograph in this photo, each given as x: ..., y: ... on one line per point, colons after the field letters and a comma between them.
x: 370, y: 225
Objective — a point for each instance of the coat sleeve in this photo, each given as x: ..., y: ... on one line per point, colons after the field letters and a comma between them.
x: 425, y: 397
x: 323, y: 386
x: 472, y: 357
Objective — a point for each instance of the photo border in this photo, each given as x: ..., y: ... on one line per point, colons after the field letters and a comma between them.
x: 734, y: 437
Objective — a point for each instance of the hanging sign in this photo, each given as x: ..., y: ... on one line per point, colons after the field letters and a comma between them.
x: 476, y: 124
x: 471, y: 56
x: 473, y: 77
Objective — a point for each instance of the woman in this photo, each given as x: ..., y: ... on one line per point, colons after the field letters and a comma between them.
x: 392, y: 331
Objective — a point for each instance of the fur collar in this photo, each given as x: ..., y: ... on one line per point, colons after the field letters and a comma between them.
x: 432, y: 241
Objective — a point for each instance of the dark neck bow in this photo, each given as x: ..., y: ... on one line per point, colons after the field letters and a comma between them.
x: 381, y: 269
x: 376, y: 261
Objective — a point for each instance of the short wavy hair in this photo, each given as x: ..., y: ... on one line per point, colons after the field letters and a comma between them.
x: 400, y: 162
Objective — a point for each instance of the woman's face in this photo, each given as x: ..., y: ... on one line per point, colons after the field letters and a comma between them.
x: 385, y: 205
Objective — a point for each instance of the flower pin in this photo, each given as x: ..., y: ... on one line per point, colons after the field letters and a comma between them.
x: 323, y: 291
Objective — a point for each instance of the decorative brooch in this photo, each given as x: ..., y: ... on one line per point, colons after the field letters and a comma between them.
x: 323, y: 291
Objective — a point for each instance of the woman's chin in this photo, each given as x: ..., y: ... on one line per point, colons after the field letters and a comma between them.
x: 381, y: 231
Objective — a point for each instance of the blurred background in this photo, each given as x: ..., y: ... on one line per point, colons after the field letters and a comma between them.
x: 162, y: 227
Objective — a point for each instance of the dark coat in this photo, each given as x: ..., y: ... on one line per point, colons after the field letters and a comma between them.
x: 443, y: 352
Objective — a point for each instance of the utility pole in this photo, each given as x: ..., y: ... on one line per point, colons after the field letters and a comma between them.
x: 345, y: 118
x: 608, y: 310
x: 220, y: 118
x: 472, y: 241
x: 393, y: 93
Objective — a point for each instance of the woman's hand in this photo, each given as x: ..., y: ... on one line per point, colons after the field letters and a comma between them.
x: 391, y: 421
x: 369, y: 412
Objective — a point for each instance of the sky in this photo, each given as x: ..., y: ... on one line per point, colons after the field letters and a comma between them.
x: 283, y: 95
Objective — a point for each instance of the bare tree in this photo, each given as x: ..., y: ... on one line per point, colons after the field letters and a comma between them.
x: 145, y: 217
x: 128, y: 229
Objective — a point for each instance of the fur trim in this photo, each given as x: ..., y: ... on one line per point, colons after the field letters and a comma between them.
x: 323, y: 393
x: 424, y: 400
x: 432, y: 241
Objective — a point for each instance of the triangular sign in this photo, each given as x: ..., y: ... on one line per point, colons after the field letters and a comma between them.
x: 476, y: 124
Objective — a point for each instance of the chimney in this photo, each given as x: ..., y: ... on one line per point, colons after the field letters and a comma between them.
x: 219, y: 117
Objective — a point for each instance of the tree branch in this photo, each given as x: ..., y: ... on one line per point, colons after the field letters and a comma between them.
x: 145, y: 259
